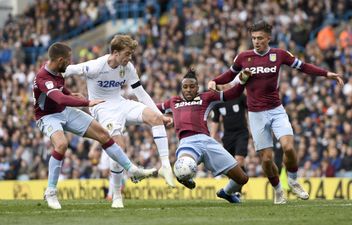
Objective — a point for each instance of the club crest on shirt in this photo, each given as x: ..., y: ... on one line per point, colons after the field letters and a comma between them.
x: 50, y: 128
x: 109, y: 126
x: 49, y: 85
x: 222, y: 111
x: 272, y: 57
x: 122, y: 73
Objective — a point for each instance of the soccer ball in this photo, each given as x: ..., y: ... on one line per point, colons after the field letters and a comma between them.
x: 185, y: 168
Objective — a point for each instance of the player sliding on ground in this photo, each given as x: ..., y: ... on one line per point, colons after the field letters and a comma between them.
x: 190, y: 113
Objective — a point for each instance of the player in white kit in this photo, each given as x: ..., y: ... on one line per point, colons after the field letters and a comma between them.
x: 105, y: 77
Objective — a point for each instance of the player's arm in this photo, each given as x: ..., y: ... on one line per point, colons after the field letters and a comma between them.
x: 227, y: 76
x: 233, y: 92
x: 66, y: 91
x: 237, y: 85
x: 87, y: 69
x: 215, y: 122
x: 143, y: 96
x: 165, y: 107
x: 68, y: 100
x: 77, y: 69
x: 309, y: 68
x: 47, y: 87
x: 138, y: 89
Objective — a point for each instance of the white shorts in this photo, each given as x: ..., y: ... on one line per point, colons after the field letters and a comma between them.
x: 113, y: 116
x: 71, y: 119
x: 262, y: 124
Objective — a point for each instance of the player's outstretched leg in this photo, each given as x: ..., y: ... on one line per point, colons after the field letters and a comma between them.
x: 297, y: 189
x: 116, y: 153
x: 238, y: 178
x: 137, y: 174
x: 232, y: 198
x: 188, y: 183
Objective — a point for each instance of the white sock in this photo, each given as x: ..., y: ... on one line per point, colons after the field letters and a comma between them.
x: 111, y: 185
x: 116, y: 176
x: 292, y: 175
x: 231, y: 187
x: 160, y: 139
x: 54, y: 171
x: 278, y: 187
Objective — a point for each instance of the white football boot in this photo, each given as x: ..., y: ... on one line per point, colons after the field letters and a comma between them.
x: 279, y: 197
x: 166, y: 173
x: 297, y: 189
x: 50, y: 196
x: 137, y: 174
x: 117, y: 200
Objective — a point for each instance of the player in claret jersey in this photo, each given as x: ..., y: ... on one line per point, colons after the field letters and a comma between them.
x: 54, y: 114
x: 265, y: 112
x: 190, y: 113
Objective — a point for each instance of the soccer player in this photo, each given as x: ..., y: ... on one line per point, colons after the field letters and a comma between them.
x: 105, y: 77
x: 265, y: 111
x: 190, y: 120
x: 235, y: 137
x: 54, y: 114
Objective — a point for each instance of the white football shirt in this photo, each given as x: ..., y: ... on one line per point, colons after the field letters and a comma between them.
x: 104, y: 82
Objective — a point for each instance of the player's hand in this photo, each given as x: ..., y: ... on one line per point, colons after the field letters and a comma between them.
x: 212, y: 85
x: 168, y: 121
x: 79, y: 95
x: 335, y: 76
x: 245, y: 75
x: 95, y: 102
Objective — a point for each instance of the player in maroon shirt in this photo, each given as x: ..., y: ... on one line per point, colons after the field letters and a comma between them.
x: 190, y: 114
x: 54, y: 116
x: 265, y: 112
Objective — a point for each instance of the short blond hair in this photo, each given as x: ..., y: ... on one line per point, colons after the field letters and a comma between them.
x: 121, y: 42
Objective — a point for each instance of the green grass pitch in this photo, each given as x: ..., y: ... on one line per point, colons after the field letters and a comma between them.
x: 178, y: 212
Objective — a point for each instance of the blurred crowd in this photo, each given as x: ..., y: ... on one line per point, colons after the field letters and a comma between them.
x: 205, y: 34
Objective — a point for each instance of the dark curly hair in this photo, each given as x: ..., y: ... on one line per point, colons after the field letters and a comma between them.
x: 191, y: 73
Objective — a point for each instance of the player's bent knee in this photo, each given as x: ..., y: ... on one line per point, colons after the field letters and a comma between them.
x: 61, y: 146
x: 156, y: 119
x: 287, y: 148
x: 104, y: 136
